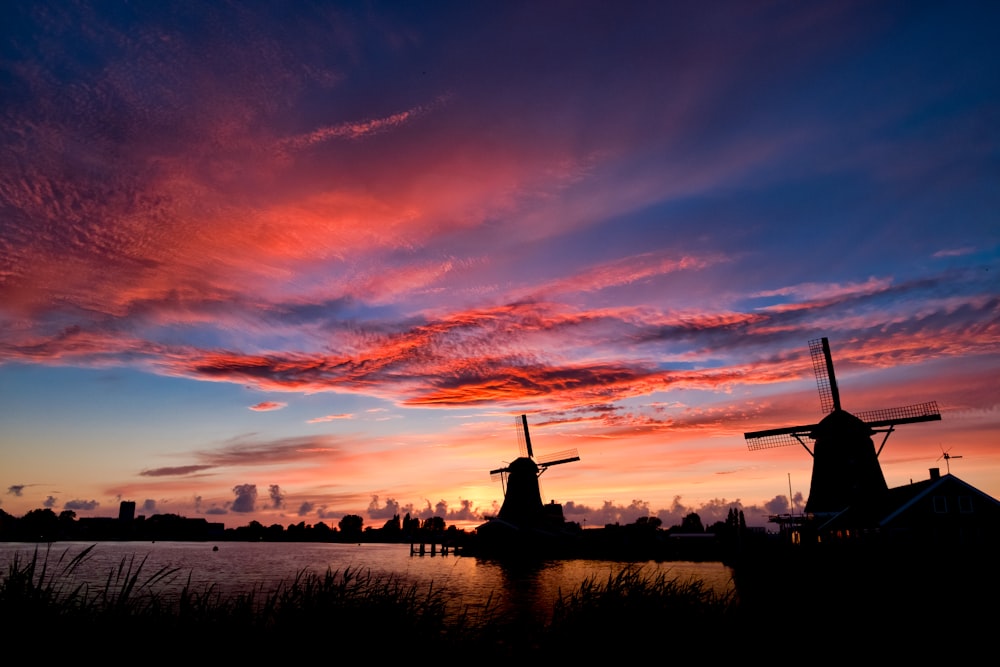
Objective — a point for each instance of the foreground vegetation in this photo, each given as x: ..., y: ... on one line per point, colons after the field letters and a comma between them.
x: 339, y: 612
x: 355, y: 614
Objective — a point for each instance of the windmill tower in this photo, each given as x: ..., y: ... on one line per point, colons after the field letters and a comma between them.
x: 846, y: 471
x: 522, y: 503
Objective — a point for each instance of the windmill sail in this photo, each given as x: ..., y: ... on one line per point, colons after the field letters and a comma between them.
x: 829, y: 395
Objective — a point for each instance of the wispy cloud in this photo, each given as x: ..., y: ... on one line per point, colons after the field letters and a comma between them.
x: 955, y: 252
x: 329, y: 418
x: 268, y: 406
x: 175, y: 471
x: 248, y: 452
x: 358, y: 129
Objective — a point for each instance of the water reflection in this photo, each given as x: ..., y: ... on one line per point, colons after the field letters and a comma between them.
x: 527, y: 587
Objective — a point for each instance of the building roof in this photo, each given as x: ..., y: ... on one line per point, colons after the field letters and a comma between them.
x: 903, y: 498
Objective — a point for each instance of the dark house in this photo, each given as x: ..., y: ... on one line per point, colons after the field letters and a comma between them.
x: 942, y: 513
x: 939, y: 512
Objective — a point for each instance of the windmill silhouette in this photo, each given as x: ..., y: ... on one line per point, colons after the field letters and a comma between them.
x: 846, y: 471
x: 522, y: 503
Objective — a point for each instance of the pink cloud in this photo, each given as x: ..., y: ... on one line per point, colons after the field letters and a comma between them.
x: 267, y: 406
x: 329, y: 418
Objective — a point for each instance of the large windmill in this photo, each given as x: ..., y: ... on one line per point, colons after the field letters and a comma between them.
x: 846, y: 470
x: 522, y: 503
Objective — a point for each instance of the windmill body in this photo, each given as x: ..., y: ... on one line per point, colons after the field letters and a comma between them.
x: 522, y: 503
x: 846, y: 471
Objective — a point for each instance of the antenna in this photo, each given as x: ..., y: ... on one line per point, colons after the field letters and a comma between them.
x: 791, y: 503
x: 947, y: 458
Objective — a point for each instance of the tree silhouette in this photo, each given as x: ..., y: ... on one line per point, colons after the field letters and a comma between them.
x: 40, y: 524
x: 351, y: 525
x: 692, y: 524
x: 434, y: 524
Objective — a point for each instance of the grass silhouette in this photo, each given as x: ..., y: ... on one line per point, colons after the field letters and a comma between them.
x: 354, y: 613
x: 379, y: 615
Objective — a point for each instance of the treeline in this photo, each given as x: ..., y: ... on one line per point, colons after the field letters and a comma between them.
x: 45, y: 525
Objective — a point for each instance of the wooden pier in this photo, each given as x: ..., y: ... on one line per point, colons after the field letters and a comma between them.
x: 432, y: 549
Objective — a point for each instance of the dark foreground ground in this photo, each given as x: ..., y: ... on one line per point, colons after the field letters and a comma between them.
x: 834, y: 606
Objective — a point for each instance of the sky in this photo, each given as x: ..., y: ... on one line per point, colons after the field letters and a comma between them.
x: 287, y: 262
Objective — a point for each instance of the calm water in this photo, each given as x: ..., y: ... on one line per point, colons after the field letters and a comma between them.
x: 238, y: 567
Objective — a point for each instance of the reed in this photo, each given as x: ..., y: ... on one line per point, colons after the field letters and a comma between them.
x: 383, y: 616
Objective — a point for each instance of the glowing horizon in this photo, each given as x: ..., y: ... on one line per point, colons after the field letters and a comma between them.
x: 287, y: 268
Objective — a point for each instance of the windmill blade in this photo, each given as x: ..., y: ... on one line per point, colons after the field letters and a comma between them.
x: 523, y: 438
x: 559, y: 457
x: 543, y: 466
x: 779, y: 437
x: 910, y: 414
x: 494, y: 474
x: 826, y: 381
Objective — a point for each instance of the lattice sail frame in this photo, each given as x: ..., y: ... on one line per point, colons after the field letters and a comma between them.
x: 525, y: 449
x: 796, y: 435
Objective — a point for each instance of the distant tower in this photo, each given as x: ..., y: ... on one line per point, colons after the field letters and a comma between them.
x: 126, y: 511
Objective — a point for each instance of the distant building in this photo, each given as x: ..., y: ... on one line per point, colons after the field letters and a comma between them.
x: 126, y: 511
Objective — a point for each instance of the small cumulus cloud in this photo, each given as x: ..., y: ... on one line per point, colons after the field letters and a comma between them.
x: 16, y: 489
x: 779, y: 504
x: 246, y: 497
x: 149, y: 505
x: 216, y: 510
x: 268, y: 406
x: 610, y: 513
x: 50, y: 502
x: 466, y: 511
x: 277, y: 497
x: 81, y: 505
x: 386, y: 511
x: 305, y: 508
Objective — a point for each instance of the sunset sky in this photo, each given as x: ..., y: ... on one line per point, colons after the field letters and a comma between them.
x: 285, y: 262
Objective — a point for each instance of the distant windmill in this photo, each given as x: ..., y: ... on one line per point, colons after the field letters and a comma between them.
x: 845, y: 462
x: 522, y: 504
x: 947, y: 458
